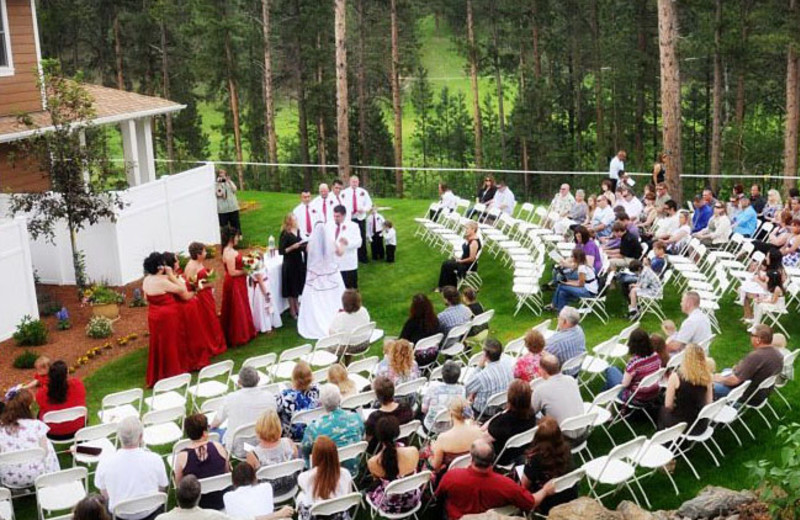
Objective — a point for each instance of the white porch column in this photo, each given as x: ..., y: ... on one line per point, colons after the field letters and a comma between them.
x: 82, y: 140
x: 130, y: 151
x: 144, y: 138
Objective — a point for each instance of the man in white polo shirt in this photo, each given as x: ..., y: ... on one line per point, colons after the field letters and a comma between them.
x: 132, y: 471
x: 694, y: 329
x: 616, y: 166
x: 306, y: 215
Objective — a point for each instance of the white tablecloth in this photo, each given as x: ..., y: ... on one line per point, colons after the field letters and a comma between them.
x: 274, y: 266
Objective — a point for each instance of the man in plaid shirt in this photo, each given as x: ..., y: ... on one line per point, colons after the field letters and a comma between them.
x: 569, y: 341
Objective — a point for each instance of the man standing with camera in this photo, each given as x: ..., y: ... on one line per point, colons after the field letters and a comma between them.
x: 227, y: 204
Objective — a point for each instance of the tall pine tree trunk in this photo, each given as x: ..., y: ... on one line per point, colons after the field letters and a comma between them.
x: 537, y: 56
x: 741, y: 70
x: 118, y: 52
x: 170, y: 137
x: 473, y: 77
x: 342, y: 107
x: 498, y: 78
x: 641, y: 81
x: 598, y: 87
x: 300, y: 86
x: 269, y: 103
x: 322, y: 147
x: 670, y: 95
x: 233, y: 96
x: 522, y: 139
x: 792, y: 110
x: 361, y: 89
x: 396, y: 105
x: 716, y: 108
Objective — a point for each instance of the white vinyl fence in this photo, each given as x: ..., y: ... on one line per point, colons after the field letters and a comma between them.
x: 17, y: 290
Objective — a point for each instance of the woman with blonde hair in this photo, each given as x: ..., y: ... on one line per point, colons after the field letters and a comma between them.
x: 338, y: 375
x: 303, y: 395
x: 273, y: 448
x: 689, y: 389
x: 527, y: 366
x: 457, y: 440
x: 398, y: 363
x: 774, y: 205
x: 293, y: 270
x: 325, y: 480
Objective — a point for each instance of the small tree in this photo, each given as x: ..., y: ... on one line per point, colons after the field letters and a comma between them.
x: 67, y: 158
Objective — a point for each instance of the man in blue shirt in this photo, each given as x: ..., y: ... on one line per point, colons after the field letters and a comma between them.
x: 746, y: 222
x: 702, y: 214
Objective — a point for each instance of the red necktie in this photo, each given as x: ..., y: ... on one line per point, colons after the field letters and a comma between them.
x: 325, y: 209
x: 355, y: 202
x: 337, y: 231
x: 308, y: 221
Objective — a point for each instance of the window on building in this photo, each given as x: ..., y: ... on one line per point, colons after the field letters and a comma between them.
x: 5, y: 40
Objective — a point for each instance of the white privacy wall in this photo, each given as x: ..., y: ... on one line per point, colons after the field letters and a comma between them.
x: 16, y: 285
x: 163, y: 215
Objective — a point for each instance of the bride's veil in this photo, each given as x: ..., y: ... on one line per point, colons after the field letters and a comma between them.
x: 322, y: 271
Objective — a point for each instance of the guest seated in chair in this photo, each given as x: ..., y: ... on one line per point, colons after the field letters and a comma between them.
x: 584, y: 287
x: 456, y: 268
x: 549, y: 457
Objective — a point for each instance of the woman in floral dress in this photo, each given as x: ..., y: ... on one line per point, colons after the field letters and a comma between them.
x: 20, y: 431
x: 303, y: 395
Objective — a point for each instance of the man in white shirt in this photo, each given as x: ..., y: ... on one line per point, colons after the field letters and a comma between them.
x: 375, y: 233
x: 132, y: 471
x: 558, y: 396
x: 449, y: 201
x: 323, y: 205
x: 358, y: 203
x: 669, y: 223
x: 602, y: 218
x: 630, y: 203
x: 563, y: 201
x: 305, y: 214
x: 504, y: 198
x: 346, y: 238
x: 616, y: 166
x: 338, y: 187
x: 243, y: 407
x: 694, y: 329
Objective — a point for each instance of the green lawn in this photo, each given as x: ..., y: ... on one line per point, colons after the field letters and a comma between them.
x: 387, y: 290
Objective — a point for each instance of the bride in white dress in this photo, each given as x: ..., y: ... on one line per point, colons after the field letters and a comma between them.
x: 322, y: 293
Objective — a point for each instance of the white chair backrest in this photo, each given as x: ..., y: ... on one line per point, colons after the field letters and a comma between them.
x: 282, y: 469
x: 172, y: 383
x: 626, y: 332
x: 498, y: 399
x: 357, y: 401
x: 606, y: 397
x: 290, y: 354
x: 214, y: 404
x: 604, y: 348
x: 215, y: 483
x: 790, y: 358
x: 93, y: 433
x: 483, y: 318
x: 66, y: 415
x: 410, y: 387
x: 141, y: 504
x: 457, y: 333
x: 361, y: 334
x: 543, y: 326
x: 521, y: 439
x: 308, y: 416
x: 436, y: 373
x: 461, y: 462
x: 245, y: 431
x: 628, y: 450
x: 409, y: 483
x: 578, y: 422
x: 474, y: 359
x: 766, y: 384
x: 676, y: 360
x: 651, y: 380
x: 331, y: 342
x: 65, y: 476
x: 134, y: 395
x: 262, y: 361
x: 408, y: 429
x: 668, y: 436
x: 222, y: 368
x: 174, y: 414
x: 430, y: 341
x: 335, y: 505
x: 735, y: 395
x: 569, y: 480
x: 352, y: 451
x: 515, y: 347
x: 28, y: 455
x: 711, y: 410
x: 363, y: 366
x: 573, y: 363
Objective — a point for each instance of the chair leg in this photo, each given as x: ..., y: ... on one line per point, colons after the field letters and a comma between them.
x: 733, y: 432
x: 641, y: 490
x: 674, y: 485
x: 779, y: 394
x: 711, y: 452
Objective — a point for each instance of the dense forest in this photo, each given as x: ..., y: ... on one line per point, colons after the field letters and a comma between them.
x: 553, y: 85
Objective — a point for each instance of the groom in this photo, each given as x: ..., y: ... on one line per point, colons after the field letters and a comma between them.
x: 346, y: 238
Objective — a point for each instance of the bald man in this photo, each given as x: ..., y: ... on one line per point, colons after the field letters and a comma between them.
x: 323, y: 204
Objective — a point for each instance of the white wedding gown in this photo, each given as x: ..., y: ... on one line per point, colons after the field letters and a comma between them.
x: 322, y: 294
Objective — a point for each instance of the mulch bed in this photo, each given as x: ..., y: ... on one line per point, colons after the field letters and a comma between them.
x: 72, y: 344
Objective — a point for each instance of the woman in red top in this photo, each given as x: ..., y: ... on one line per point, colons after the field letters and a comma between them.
x: 198, y: 353
x: 61, y: 392
x: 164, y: 319
x: 210, y: 329
x: 237, y: 318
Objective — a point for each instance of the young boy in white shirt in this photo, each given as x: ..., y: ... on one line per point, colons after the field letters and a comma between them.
x: 389, y: 240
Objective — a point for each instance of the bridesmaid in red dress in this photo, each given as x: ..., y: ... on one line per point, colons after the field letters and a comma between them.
x: 164, y: 292
x: 237, y: 318
x: 197, y: 353
x: 210, y: 328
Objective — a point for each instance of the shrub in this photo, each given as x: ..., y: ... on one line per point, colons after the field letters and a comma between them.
x: 779, y: 485
x: 63, y: 319
x: 49, y: 307
x: 101, y: 294
x: 138, y: 299
x: 99, y: 327
x: 26, y: 359
x: 30, y: 332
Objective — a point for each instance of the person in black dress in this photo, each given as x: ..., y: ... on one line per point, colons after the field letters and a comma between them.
x: 485, y: 193
x: 689, y: 389
x: 548, y: 458
x: 456, y: 268
x: 293, y: 271
x: 517, y: 418
x: 422, y: 321
x: 660, y: 169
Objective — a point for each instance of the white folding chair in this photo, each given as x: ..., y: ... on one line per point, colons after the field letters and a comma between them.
x: 308, y: 416
x: 283, y: 469
x: 400, y: 486
x: 573, y: 363
x: 614, y: 469
x: 355, y: 451
x: 67, y: 415
x: 410, y: 390
x: 98, y: 436
x: 326, y: 350
x: 514, y: 442
x: 707, y: 415
x: 596, y: 304
x: 787, y: 374
x: 6, y: 505
x: 288, y: 359
x: 139, y: 505
x: 211, y: 407
x: 360, y: 339
x: 60, y: 491
x: 262, y: 364
x: 212, y: 381
x: 408, y: 429
x: 337, y: 505
x: 20, y: 458
x: 115, y: 407
x: 359, y: 401
x: 479, y: 321
x: 453, y: 345
x: 462, y: 461
x: 215, y: 484
x: 169, y: 393
x: 428, y: 343
x: 580, y: 426
x: 243, y: 434
x: 162, y: 427
x: 765, y: 387
x: 658, y: 453
x: 630, y: 404
x: 362, y: 366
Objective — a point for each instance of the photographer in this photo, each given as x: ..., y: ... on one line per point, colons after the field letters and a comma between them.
x: 227, y: 204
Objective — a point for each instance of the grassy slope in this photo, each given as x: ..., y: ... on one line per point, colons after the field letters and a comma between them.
x: 387, y: 291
